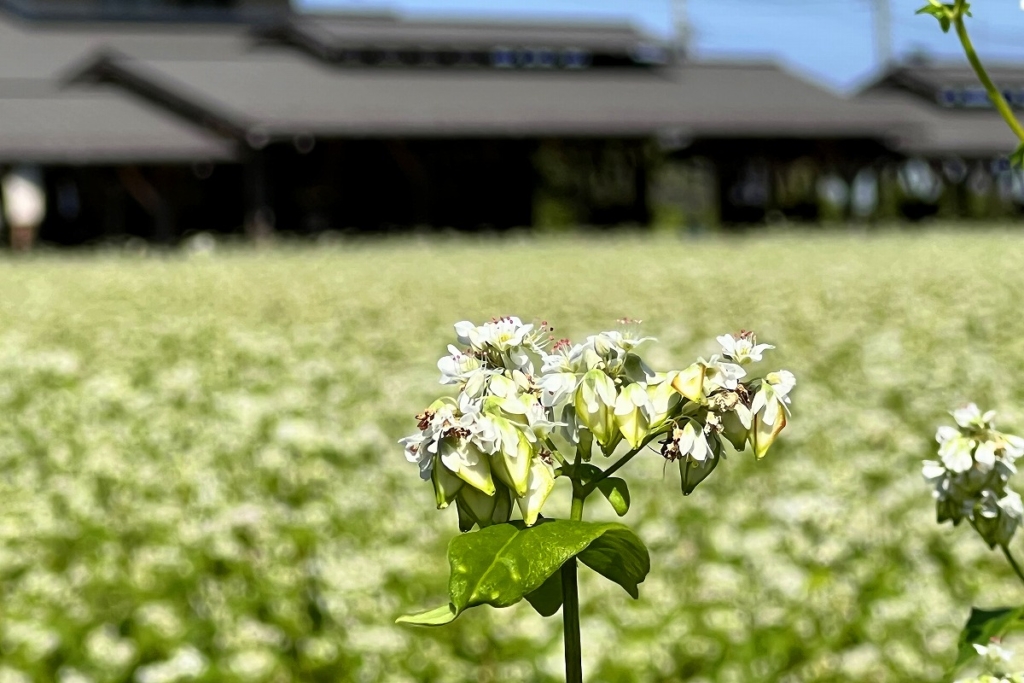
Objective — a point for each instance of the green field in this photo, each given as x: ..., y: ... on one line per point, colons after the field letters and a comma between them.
x: 201, y: 480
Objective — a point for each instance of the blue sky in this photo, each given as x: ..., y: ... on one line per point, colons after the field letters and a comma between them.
x: 828, y: 40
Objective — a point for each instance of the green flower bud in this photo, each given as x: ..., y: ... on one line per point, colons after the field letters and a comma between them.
x: 763, y: 435
x: 690, y: 382
x: 692, y: 472
x: 468, y: 463
x: 480, y: 509
x: 539, y: 487
x: 630, y: 414
x: 734, y: 431
x: 663, y: 401
x: 511, y: 463
x: 446, y: 484
x: 595, y: 402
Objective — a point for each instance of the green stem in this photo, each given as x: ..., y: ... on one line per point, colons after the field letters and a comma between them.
x: 993, y: 92
x: 571, y: 623
x: 1013, y: 562
x: 571, y: 604
x: 592, y: 485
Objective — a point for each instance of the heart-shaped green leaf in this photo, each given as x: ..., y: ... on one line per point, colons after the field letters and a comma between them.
x: 548, y: 598
x: 613, y: 489
x: 617, y: 493
x: 504, y: 563
x: 438, y: 616
x: 619, y: 556
x: 984, y: 625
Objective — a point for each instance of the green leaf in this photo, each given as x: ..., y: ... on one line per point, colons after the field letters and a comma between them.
x: 619, y: 556
x: 1017, y: 158
x: 941, y: 12
x: 504, y: 563
x: 983, y: 626
x: 617, y: 493
x: 439, y: 616
x: 548, y: 598
x: 613, y: 489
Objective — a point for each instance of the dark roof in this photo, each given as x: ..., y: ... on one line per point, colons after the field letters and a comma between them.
x: 221, y: 11
x: 945, y: 127
x: 386, y: 30
x: 48, y: 50
x: 39, y: 124
x: 282, y: 92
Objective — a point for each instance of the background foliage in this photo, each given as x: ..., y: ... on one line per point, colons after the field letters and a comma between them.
x: 201, y: 480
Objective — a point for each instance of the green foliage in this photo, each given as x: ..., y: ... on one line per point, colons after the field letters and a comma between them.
x: 502, y: 564
x: 1017, y: 158
x: 614, y: 489
x: 982, y: 627
x: 946, y: 13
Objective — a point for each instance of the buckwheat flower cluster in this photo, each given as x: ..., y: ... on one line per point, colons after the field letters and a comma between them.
x: 970, y: 478
x: 721, y: 405
x: 529, y: 406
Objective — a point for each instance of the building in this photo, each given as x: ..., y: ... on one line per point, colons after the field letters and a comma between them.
x: 163, y: 118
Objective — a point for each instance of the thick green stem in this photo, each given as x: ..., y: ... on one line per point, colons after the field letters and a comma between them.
x: 1013, y: 562
x: 571, y: 604
x: 571, y: 623
x: 993, y: 92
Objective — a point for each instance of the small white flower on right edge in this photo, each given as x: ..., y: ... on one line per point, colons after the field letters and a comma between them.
x: 743, y: 349
x: 996, y: 656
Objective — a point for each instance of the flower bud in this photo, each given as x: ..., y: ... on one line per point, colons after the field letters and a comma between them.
x: 690, y: 382
x: 734, y: 430
x: 482, y: 510
x: 663, y: 400
x: 539, y: 487
x: 763, y: 435
x: 997, y: 520
x: 468, y: 463
x: 446, y: 484
x: 632, y: 408
x: 595, y: 401
x: 692, y: 472
x: 511, y: 462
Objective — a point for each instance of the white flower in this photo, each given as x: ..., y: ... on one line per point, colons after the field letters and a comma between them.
x: 415, y: 453
x: 996, y: 657
x: 956, y: 454
x: 721, y: 375
x: 743, y: 350
x: 691, y: 443
x: 985, y: 455
x: 945, y: 433
x: 557, y: 387
x: 774, y: 395
x: 1013, y: 447
x: 971, y: 417
x: 934, y: 473
x: 1012, y: 505
x: 503, y: 342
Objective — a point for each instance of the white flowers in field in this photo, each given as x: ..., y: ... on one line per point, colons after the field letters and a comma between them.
x: 508, y: 433
x: 971, y: 475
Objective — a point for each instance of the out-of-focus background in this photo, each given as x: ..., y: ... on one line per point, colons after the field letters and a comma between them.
x: 199, y: 474
x: 124, y: 120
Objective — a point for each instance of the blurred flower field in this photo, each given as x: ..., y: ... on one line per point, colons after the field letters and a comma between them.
x: 201, y: 479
